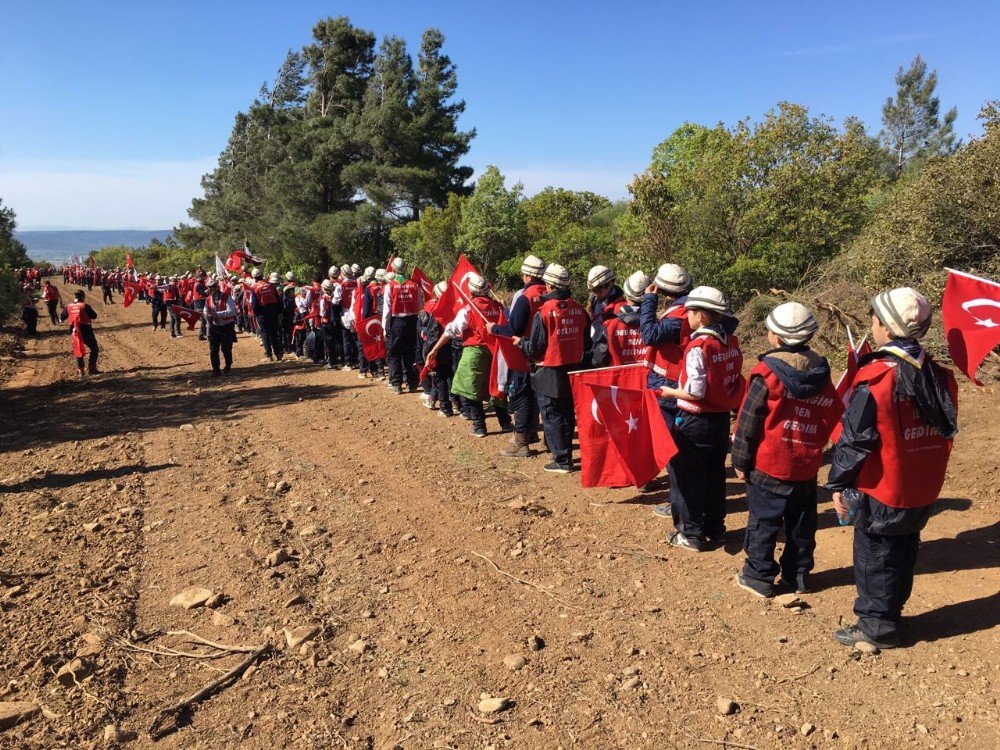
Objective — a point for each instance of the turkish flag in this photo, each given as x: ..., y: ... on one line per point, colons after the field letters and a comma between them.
x: 600, y: 464
x: 854, y: 356
x: 191, y: 317
x: 131, y: 290
x: 970, y: 312
x: 506, y: 357
x: 638, y: 433
x: 425, y: 283
x: 128, y: 260
x: 372, y: 337
x: 457, y: 293
x: 234, y: 263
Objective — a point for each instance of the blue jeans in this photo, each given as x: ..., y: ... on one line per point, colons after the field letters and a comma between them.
x: 558, y: 422
x: 769, y: 512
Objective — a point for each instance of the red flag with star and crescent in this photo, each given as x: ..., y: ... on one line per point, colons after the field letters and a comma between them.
x: 970, y: 312
x: 131, y: 292
x: 191, y: 317
x: 604, y: 425
x: 457, y: 294
x: 372, y: 337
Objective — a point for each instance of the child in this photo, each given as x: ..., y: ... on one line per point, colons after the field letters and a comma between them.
x: 710, y: 386
x: 893, y: 452
x: 786, y: 418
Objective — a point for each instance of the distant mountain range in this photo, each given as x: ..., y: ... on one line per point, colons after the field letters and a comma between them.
x: 59, y: 245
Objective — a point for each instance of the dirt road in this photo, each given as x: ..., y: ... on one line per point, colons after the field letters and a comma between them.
x: 425, y: 571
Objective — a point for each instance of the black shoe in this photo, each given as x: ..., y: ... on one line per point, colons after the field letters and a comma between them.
x: 677, y: 539
x: 800, y: 584
x: 226, y: 369
x: 756, y: 588
x: 557, y: 468
x: 479, y: 432
x: 216, y: 373
x: 852, y: 635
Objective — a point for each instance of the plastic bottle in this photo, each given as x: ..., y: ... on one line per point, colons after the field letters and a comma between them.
x: 850, y: 498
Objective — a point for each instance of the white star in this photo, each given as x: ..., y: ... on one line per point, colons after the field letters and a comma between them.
x: 987, y: 323
x: 632, y: 422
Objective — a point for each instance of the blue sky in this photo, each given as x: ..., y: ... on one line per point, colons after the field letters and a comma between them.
x: 111, y: 111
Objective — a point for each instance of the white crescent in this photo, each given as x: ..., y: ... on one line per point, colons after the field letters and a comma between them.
x: 370, y: 323
x: 614, y: 398
x: 461, y: 281
x: 981, y: 302
x: 593, y: 411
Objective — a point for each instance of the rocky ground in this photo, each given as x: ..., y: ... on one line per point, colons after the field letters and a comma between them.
x: 411, y: 589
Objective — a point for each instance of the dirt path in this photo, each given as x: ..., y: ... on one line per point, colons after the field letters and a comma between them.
x: 422, y: 560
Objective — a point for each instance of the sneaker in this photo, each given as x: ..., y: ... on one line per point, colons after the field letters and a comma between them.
x: 479, y: 432
x: 267, y: 359
x: 446, y: 413
x: 398, y: 390
x: 414, y: 389
x: 677, y: 539
x: 852, y: 635
x: 764, y: 592
x: 80, y: 374
x: 557, y: 468
x: 426, y: 401
x: 329, y: 367
x: 662, y: 510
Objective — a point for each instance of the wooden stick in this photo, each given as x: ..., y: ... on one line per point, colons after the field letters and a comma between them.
x: 208, y: 690
x: 798, y: 676
x: 205, y: 641
x: 724, y: 743
x: 535, y: 586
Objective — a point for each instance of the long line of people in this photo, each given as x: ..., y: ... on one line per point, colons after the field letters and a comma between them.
x: 887, y: 466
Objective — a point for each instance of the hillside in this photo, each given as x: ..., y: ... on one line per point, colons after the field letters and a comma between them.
x: 56, y: 246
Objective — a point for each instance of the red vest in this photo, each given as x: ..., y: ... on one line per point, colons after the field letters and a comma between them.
x: 326, y: 309
x: 50, y: 293
x: 315, y: 292
x: 76, y: 313
x: 347, y: 289
x: 404, y: 298
x: 199, y: 290
x: 665, y: 359
x: 624, y: 342
x: 219, y: 312
x: 533, y: 294
x: 795, y: 431
x: 170, y: 293
x: 723, y: 365
x: 907, y: 471
x: 475, y: 331
x: 566, y: 325
x: 266, y: 293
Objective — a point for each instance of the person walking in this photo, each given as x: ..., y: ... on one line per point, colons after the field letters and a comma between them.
x: 80, y: 317
x: 52, y: 301
x: 220, y: 318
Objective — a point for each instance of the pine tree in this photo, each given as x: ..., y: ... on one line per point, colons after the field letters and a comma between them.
x: 913, y: 130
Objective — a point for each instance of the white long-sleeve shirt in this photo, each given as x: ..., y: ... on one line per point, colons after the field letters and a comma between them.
x: 456, y: 328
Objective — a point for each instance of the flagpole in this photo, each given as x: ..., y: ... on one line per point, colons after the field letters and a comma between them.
x: 611, y: 367
x: 971, y: 276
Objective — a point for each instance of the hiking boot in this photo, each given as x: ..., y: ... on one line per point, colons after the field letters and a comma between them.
x: 852, y: 635
x: 677, y: 539
x: 557, y: 468
x: 756, y: 588
x: 518, y: 447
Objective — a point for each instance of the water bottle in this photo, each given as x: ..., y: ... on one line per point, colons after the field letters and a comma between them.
x: 850, y: 498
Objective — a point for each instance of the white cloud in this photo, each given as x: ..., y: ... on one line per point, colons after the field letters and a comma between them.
x: 101, y: 194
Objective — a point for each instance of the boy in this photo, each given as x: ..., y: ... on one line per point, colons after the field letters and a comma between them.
x: 897, y: 437
x: 710, y: 385
x: 786, y: 418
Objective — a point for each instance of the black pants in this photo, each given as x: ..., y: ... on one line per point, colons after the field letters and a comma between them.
x: 221, y: 337
x: 318, y: 348
x: 175, y: 319
x: 883, y: 572
x: 199, y: 305
x: 50, y: 305
x: 159, y: 314
x: 558, y: 422
x: 30, y: 317
x: 698, y: 475
x: 108, y: 299
x: 769, y: 513
x: 331, y: 343
x: 444, y: 371
x: 270, y: 331
x: 402, y: 350
x: 349, y: 341
x: 522, y: 401
x: 478, y: 413
x: 90, y: 341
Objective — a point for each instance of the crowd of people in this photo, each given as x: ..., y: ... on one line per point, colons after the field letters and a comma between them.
x: 888, y: 461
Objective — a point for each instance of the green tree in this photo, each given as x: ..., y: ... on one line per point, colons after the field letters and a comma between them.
x: 430, y: 242
x: 913, y: 130
x: 493, y: 226
x: 752, y: 206
x: 13, y: 254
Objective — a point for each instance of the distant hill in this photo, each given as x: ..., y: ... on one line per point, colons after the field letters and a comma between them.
x: 55, y: 246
